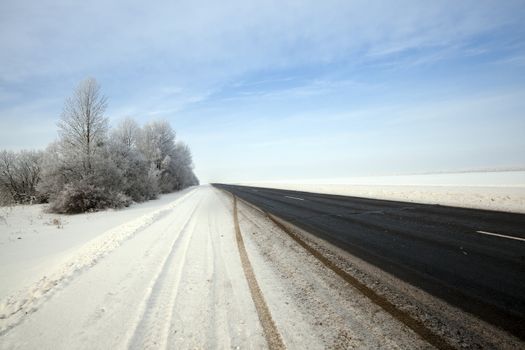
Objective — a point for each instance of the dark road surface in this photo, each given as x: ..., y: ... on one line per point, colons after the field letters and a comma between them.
x: 473, y: 259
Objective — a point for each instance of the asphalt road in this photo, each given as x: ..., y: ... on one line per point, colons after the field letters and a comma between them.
x: 473, y: 259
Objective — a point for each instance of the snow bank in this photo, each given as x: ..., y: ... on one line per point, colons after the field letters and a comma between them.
x: 33, y: 243
x: 503, y: 191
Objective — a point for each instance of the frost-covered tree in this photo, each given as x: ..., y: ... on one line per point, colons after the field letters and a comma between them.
x: 126, y: 135
x: 84, y: 169
x: 19, y: 175
x: 80, y: 174
x: 157, y: 140
x: 83, y: 126
x: 139, y: 180
x: 183, y: 166
x: 157, y: 145
x: 57, y: 170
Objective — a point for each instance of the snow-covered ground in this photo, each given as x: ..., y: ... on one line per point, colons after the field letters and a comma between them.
x: 33, y: 242
x: 168, y: 274
x: 504, y: 191
x: 159, y: 273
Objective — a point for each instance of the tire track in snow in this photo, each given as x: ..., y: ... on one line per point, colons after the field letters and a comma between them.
x: 193, y: 324
x: 15, y: 309
x: 213, y: 308
x: 199, y: 297
x: 224, y: 303
x: 221, y: 291
x: 212, y: 272
x: 271, y: 333
x: 152, y: 329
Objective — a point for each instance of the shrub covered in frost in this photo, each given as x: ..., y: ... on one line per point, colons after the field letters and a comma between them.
x: 81, y: 196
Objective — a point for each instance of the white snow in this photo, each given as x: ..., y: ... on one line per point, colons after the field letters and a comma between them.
x: 504, y: 191
x: 33, y: 242
x: 163, y: 274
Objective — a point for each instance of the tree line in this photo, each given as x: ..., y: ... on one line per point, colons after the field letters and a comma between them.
x: 91, y: 166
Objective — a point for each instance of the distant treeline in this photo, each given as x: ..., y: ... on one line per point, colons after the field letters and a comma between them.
x: 92, y: 167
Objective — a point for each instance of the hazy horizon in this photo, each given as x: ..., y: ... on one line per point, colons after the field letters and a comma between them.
x: 281, y: 90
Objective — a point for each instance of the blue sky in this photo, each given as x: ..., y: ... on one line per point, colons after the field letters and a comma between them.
x: 275, y: 90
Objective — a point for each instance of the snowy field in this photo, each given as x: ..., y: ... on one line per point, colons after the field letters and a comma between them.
x: 504, y: 191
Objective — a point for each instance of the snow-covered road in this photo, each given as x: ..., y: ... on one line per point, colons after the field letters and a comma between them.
x: 172, y: 277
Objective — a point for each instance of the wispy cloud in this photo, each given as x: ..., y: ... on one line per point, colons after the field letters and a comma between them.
x: 234, y: 35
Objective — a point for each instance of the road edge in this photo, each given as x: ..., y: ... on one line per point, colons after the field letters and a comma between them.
x: 271, y: 333
x: 405, y: 318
